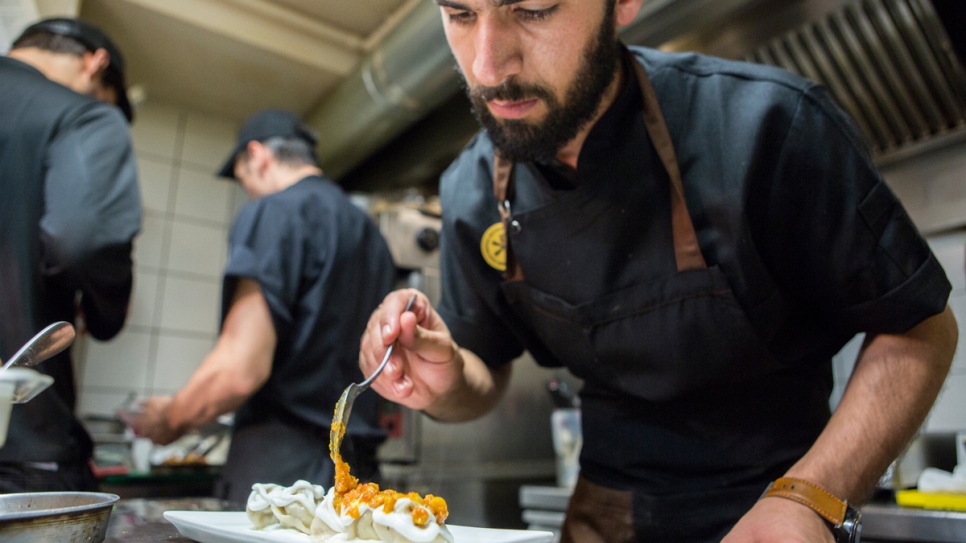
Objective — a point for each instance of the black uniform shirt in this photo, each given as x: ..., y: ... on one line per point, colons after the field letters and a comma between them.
x: 323, y: 268
x: 781, y: 189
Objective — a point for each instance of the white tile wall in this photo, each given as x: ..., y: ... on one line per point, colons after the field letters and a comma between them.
x: 198, y: 249
x: 156, y: 131
x: 149, y: 245
x: 155, y: 177
x: 179, y: 256
x: 207, y: 140
x: 142, y: 311
x: 202, y: 196
x: 119, y: 363
x: 178, y: 357
x: 190, y: 305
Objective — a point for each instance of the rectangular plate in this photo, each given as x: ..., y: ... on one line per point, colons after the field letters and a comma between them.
x: 234, y: 527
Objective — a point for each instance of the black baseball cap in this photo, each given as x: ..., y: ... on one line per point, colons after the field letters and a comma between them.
x: 264, y: 125
x: 92, y: 38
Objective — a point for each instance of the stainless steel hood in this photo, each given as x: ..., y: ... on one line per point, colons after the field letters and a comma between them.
x: 890, y: 63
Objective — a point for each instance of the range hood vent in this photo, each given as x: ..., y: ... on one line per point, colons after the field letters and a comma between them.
x: 889, y: 63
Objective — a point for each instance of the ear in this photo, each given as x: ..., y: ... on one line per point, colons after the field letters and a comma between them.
x: 93, y: 63
x: 626, y: 10
x: 260, y: 155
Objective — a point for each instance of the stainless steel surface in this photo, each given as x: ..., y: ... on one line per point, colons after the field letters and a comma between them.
x: 544, y: 506
x: 55, y: 517
x: 48, y: 342
x: 894, y: 523
x: 141, y: 520
x: 343, y: 408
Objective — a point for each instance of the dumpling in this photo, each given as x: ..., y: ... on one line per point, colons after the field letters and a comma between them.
x: 327, y: 523
x: 259, y: 507
x: 360, y: 527
x: 295, y: 506
x: 400, y: 524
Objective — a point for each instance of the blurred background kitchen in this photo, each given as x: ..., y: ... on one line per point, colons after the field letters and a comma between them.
x: 376, y: 80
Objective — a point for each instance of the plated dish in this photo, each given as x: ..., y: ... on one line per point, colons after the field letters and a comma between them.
x: 234, y: 527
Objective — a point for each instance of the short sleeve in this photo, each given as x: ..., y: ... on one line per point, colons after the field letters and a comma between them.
x: 470, y: 290
x: 836, y: 237
x: 266, y: 246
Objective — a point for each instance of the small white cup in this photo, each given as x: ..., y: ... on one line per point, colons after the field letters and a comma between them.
x: 567, y: 441
x: 6, y: 404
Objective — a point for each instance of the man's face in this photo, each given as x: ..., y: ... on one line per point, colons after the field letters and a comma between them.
x: 535, y: 70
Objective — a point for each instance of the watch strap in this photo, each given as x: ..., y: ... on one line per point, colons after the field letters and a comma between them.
x: 811, y: 495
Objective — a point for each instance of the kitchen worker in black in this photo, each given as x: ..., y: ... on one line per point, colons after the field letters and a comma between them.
x: 306, y: 267
x: 69, y: 210
x: 695, y: 238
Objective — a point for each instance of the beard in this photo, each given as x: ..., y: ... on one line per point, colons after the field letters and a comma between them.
x: 522, y: 141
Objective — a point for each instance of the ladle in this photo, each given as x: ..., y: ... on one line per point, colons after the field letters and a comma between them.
x: 50, y: 341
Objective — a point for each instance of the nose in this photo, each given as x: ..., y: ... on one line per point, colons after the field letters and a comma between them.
x: 497, y: 52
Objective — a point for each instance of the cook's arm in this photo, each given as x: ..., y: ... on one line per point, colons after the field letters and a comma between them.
x: 894, y: 384
x: 92, y: 211
x: 235, y: 369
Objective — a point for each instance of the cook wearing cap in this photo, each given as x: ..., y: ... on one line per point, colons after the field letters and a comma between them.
x: 69, y: 210
x: 305, y: 269
x: 99, y: 71
x: 264, y: 125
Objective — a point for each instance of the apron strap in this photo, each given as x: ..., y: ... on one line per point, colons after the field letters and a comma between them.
x: 687, y: 252
x: 503, y: 190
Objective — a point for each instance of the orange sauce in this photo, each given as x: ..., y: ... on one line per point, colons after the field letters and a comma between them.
x: 348, y: 490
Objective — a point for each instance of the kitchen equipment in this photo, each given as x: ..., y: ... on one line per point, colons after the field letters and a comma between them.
x: 18, y: 385
x: 344, y: 406
x: 55, y: 517
x: 48, y: 342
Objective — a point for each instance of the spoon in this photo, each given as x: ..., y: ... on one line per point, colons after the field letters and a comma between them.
x: 344, y: 406
x: 50, y: 341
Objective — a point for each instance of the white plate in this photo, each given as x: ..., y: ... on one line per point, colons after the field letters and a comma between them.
x: 234, y: 527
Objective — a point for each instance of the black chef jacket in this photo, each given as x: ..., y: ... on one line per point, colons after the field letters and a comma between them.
x: 69, y: 208
x: 323, y: 268
x: 784, y: 198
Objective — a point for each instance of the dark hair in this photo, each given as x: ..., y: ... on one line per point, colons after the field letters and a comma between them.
x: 49, y: 41
x: 291, y: 152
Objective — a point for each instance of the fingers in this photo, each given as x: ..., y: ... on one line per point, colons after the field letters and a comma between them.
x: 383, y: 328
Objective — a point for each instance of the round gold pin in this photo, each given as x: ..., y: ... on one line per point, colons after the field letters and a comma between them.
x: 493, y: 247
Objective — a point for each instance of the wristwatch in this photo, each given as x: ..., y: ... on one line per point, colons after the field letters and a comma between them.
x: 844, y: 520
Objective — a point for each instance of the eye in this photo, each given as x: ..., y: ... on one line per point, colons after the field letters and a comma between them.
x: 461, y: 17
x: 532, y: 15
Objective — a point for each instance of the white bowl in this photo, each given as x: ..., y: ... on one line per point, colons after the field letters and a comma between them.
x: 18, y: 385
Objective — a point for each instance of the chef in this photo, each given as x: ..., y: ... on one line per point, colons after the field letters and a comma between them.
x: 70, y: 208
x: 695, y: 238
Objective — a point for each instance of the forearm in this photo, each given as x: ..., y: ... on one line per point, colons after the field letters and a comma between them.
x: 476, y: 393
x: 894, y: 384
x: 210, y: 392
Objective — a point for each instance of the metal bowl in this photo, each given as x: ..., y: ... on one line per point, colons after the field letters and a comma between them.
x: 55, y: 517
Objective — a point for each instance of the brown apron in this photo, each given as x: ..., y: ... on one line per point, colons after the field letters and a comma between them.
x: 661, y: 341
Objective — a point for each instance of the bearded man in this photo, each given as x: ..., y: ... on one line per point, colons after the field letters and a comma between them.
x: 693, y: 237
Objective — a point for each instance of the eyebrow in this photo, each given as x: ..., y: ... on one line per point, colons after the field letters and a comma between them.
x: 457, y: 5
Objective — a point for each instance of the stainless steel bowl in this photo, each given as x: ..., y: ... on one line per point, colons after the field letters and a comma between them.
x: 55, y: 517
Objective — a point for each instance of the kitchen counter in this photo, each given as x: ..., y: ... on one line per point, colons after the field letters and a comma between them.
x: 141, y: 521
x: 543, y: 508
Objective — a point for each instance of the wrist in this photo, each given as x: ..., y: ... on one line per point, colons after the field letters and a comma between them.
x: 843, y: 519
